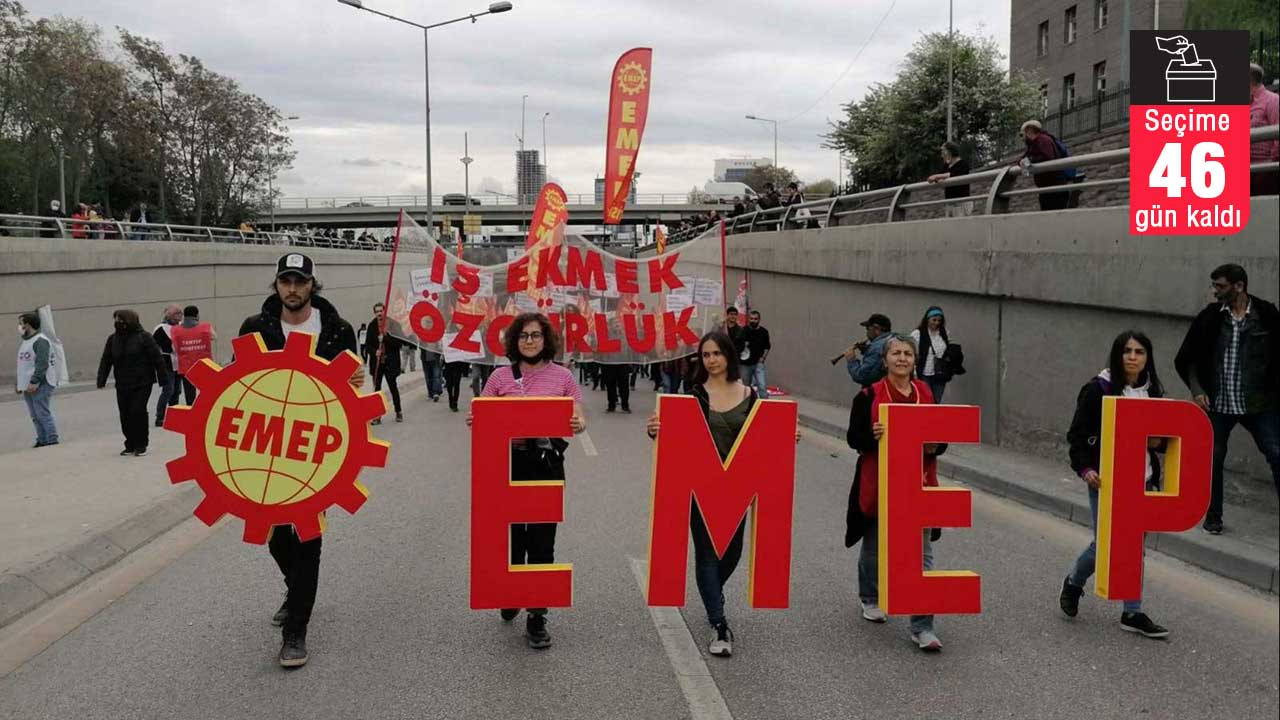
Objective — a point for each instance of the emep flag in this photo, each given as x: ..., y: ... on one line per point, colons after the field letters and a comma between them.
x: 1189, y: 133
x: 628, y: 109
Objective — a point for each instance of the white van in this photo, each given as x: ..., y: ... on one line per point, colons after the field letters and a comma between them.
x: 727, y: 191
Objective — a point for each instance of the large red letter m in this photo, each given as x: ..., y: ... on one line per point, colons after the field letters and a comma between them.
x: 759, y: 475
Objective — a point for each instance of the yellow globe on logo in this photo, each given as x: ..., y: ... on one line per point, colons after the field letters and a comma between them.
x: 274, y: 441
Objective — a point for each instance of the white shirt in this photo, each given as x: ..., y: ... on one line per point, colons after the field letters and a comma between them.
x: 936, y: 342
x: 310, y: 325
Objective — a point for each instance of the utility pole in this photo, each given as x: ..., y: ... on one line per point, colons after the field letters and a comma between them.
x: 951, y: 51
x: 466, y: 183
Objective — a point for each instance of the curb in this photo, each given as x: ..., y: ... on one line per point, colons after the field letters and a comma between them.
x: 1224, y: 556
x: 26, y: 587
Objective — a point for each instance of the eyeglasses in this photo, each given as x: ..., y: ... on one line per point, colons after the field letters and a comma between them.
x: 530, y: 337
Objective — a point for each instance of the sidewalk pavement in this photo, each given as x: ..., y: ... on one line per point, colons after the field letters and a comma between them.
x: 72, y: 510
x: 1249, y: 552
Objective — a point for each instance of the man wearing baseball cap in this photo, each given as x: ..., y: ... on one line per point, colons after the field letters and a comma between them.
x: 865, y: 360
x: 296, y: 306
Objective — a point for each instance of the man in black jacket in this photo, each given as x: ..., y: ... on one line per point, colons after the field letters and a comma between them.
x: 1230, y: 360
x: 131, y: 354
x: 297, y: 306
x: 163, y: 335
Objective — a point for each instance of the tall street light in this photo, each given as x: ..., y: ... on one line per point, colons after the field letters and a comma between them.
x: 466, y: 160
x: 271, y: 195
x: 494, y: 8
x: 545, y: 115
x: 775, y: 136
x: 951, y: 51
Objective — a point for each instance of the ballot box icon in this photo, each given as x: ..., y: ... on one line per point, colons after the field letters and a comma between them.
x: 1188, y: 78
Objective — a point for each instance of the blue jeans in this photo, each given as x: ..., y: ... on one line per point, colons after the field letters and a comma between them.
x: 435, y: 377
x: 1265, y: 429
x: 713, y: 572
x: 1086, y: 563
x: 168, y: 396
x: 753, y: 375
x: 936, y: 386
x: 670, y: 383
x: 869, y: 572
x: 41, y: 415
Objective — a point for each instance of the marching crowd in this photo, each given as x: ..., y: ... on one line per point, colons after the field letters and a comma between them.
x: 1228, y: 360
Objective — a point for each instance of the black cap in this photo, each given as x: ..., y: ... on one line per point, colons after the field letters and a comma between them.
x: 879, y: 321
x: 297, y: 264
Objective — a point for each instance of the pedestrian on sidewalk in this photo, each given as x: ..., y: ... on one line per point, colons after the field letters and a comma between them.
x: 387, y: 361
x: 953, y: 165
x: 432, y: 368
x: 37, y: 377
x: 1042, y: 147
x: 362, y: 334
x: 865, y: 359
x: 163, y: 335
x: 733, y: 328
x: 373, y: 340
x: 1130, y: 372
x: 133, y: 356
x: 755, y: 349
x: 296, y: 306
x: 726, y: 405
x: 193, y: 341
x: 865, y: 431
x: 532, y: 346
x: 453, y: 372
x: 1230, y: 360
x: 939, y: 358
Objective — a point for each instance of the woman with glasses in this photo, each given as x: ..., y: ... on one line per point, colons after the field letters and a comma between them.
x: 531, y: 346
x: 865, y: 431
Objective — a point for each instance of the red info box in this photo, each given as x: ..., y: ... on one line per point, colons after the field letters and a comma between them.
x: 1188, y: 169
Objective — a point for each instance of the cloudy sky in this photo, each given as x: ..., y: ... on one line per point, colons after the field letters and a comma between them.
x: 356, y: 80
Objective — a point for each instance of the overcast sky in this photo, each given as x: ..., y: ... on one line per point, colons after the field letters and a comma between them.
x: 356, y: 79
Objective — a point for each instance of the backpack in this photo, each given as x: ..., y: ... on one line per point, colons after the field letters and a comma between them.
x: 1061, y: 148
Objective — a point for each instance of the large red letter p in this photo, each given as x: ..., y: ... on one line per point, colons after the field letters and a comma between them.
x: 1126, y: 510
x: 497, y: 503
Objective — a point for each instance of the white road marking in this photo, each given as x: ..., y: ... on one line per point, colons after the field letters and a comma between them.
x: 697, y: 684
x: 588, y: 446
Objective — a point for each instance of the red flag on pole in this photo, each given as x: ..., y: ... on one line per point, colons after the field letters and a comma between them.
x: 628, y: 110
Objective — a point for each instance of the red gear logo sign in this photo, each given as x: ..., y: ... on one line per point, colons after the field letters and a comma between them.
x: 275, y: 438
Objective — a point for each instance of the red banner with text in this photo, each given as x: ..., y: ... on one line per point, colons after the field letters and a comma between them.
x: 628, y: 110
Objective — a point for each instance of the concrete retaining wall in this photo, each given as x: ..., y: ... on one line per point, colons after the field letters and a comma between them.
x: 1035, y: 299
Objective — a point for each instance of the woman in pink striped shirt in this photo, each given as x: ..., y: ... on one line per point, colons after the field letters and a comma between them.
x: 531, y: 346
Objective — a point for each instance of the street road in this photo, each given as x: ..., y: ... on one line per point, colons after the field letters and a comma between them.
x: 392, y: 636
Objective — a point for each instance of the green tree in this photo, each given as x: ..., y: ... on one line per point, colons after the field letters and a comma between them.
x: 757, y: 176
x: 1252, y: 15
x: 821, y: 188
x: 894, y: 131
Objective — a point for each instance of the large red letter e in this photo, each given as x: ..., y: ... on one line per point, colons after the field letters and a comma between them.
x: 907, y: 507
x: 1125, y: 509
x: 758, y: 475
x: 497, y: 503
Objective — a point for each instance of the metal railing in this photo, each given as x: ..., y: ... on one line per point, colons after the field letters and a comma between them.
x: 118, y: 230
x: 459, y: 201
x: 892, y: 204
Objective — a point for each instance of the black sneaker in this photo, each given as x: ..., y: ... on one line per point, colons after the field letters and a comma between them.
x: 509, y: 614
x: 1213, y: 527
x: 126, y: 452
x: 293, y: 651
x: 1141, y: 624
x: 626, y: 410
x: 536, y: 629
x: 159, y: 422
x: 608, y: 410
x: 399, y: 417
x: 376, y: 421
x: 1069, y: 598
x: 282, y: 614
x: 140, y: 453
x: 722, y: 644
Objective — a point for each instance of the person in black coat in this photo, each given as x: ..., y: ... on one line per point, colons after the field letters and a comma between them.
x: 1130, y: 372
x: 132, y: 354
x: 297, y: 306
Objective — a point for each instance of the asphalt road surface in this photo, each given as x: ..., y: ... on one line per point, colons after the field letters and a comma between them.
x: 392, y: 636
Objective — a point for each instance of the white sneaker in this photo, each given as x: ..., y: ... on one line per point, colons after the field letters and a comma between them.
x: 872, y: 613
x: 927, y: 641
x: 721, y: 644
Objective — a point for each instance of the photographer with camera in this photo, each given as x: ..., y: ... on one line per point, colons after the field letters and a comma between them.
x: 865, y: 360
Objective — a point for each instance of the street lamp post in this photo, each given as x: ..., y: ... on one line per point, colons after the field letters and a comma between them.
x: 466, y: 183
x: 545, y: 163
x: 271, y: 194
x: 951, y: 50
x: 494, y: 8
x: 775, y: 135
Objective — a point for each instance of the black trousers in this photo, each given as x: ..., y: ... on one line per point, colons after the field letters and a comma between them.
x: 1054, y: 200
x: 453, y: 381
x: 300, y: 564
x: 188, y: 390
x: 534, y: 543
x: 617, y: 383
x: 132, y: 403
x: 391, y: 385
